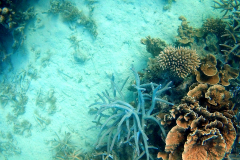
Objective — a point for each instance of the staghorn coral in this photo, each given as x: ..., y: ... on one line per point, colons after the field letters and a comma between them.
x: 226, y: 5
x: 179, y: 61
x: 123, y: 115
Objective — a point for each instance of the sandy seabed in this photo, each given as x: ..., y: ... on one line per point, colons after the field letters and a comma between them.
x: 120, y: 25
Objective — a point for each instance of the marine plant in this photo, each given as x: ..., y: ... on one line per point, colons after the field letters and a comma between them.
x: 125, y: 123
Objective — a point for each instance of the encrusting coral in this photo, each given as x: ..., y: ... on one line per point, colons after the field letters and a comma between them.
x: 205, y: 126
x: 179, y: 61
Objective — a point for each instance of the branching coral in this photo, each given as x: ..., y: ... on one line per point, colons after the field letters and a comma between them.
x: 226, y: 5
x: 127, y: 123
x: 179, y: 61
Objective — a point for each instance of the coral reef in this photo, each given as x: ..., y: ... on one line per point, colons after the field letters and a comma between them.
x: 128, y: 122
x: 204, y: 125
x: 13, y: 19
x: 154, y: 45
x: 78, y: 56
x: 179, y: 61
x: 226, y: 5
x: 207, y: 72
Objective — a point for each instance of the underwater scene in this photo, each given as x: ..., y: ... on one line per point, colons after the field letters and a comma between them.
x: 119, y: 79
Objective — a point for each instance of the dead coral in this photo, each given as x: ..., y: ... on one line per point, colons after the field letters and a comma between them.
x: 179, y: 61
x: 71, y: 13
x: 64, y: 148
x: 22, y: 127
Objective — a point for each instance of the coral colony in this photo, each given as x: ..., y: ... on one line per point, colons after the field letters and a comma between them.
x: 127, y: 123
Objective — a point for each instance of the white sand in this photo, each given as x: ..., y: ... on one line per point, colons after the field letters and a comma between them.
x: 121, y: 25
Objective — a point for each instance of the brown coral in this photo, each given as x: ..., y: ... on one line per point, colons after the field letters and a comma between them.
x: 208, y: 65
x: 217, y: 95
x: 185, y: 33
x: 216, y: 26
x: 228, y: 73
x: 207, y: 72
x: 204, y: 145
x: 179, y: 61
x: 202, y: 132
x: 154, y: 45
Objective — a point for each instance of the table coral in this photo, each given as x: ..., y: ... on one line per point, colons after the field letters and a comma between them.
x: 179, y: 61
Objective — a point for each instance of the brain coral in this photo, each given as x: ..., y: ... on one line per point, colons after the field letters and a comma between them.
x: 179, y: 61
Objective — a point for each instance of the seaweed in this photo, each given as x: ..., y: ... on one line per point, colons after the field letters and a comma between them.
x: 125, y: 123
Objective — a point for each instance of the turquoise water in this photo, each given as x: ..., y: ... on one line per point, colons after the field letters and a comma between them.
x: 61, y: 66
